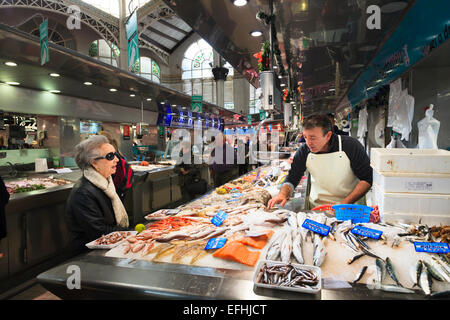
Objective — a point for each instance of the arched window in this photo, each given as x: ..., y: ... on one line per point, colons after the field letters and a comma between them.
x: 197, y: 74
x: 101, y: 50
x: 147, y: 68
x: 253, y: 99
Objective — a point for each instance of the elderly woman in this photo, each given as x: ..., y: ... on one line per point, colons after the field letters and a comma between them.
x: 123, y: 177
x: 94, y: 207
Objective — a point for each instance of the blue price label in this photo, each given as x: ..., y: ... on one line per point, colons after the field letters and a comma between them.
x: 215, y: 243
x: 231, y: 200
x: 316, y: 227
x: 432, y: 247
x: 236, y: 195
x: 366, y: 232
x: 219, y: 218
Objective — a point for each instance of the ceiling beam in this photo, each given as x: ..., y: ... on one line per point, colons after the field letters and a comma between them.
x: 181, y: 41
x: 171, y: 26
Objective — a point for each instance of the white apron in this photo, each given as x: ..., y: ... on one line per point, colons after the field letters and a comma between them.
x: 332, y: 178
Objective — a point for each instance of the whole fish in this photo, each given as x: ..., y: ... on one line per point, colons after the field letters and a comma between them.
x: 349, y: 242
x: 397, y: 289
x: 297, y: 248
x: 381, y: 270
x: 275, y: 248
x: 436, y: 271
x: 352, y: 238
x: 361, y: 242
x: 425, y: 281
x: 415, y: 271
x: 319, y: 253
x: 350, y: 261
x: 360, y: 274
x: 369, y: 253
x: 301, y: 217
x: 286, y: 246
x: 391, y: 271
x: 292, y: 220
x: 443, y: 263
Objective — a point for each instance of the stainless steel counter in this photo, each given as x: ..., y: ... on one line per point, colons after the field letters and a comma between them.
x: 114, y: 278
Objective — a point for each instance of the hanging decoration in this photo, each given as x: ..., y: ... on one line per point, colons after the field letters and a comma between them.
x: 263, y: 57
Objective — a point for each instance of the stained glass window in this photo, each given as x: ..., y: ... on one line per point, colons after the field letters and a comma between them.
x: 197, y: 75
x: 102, y: 51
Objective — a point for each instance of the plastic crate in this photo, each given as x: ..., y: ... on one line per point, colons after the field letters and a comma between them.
x: 356, y: 213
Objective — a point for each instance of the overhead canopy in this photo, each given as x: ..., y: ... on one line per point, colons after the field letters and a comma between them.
x: 75, y: 69
x: 324, y: 43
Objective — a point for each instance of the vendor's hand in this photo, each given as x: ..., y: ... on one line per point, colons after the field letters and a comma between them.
x: 280, y: 198
x: 184, y: 172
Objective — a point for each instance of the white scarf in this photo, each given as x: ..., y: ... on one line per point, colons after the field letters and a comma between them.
x: 107, y: 186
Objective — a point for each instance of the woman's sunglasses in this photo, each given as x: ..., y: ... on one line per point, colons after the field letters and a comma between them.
x: 110, y: 156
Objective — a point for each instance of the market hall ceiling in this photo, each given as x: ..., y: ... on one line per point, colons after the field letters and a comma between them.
x: 160, y: 29
x: 324, y: 43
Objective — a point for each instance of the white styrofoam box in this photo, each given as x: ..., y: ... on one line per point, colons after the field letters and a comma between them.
x: 410, y: 160
x: 412, y: 182
x: 419, y: 203
x: 430, y: 220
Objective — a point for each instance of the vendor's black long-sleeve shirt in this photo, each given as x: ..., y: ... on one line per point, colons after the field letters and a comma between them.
x: 359, y: 161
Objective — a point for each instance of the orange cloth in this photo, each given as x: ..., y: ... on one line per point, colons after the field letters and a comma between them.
x: 236, y: 251
x: 257, y: 242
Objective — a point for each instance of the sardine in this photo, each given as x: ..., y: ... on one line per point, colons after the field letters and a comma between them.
x: 391, y: 271
x: 397, y: 289
x: 425, y: 281
x: 443, y: 263
x: 297, y: 248
x: 369, y: 253
x: 352, y: 238
x: 360, y: 274
x: 381, y: 270
x: 361, y: 242
x: 286, y: 246
x: 349, y: 242
x: 436, y: 271
x: 350, y: 261
x: 415, y: 271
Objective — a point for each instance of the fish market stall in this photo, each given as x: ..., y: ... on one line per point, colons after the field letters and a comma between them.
x: 227, y: 245
x: 36, y: 228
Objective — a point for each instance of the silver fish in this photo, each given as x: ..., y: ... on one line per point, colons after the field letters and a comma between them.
x: 350, y: 261
x: 381, y: 270
x: 396, y: 289
x: 292, y: 220
x: 319, y: 253
x: 415, y: 271
x: 391, y: 271
x: 275, y: 248
x: 443, y: 263
x: 286, y: 246
x: 436, y: 271
x: 297, y: 248
x: 349, y: 242
x: 360, y: 274
x: 425, y: 281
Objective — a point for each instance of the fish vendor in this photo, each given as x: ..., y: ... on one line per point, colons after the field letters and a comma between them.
x: 339, y: 167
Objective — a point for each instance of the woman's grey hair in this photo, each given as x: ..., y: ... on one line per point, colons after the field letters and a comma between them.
x: 88, y: 149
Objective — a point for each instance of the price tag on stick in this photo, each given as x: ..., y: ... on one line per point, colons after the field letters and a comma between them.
x: 432, y: 247
x: 219, y: 218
